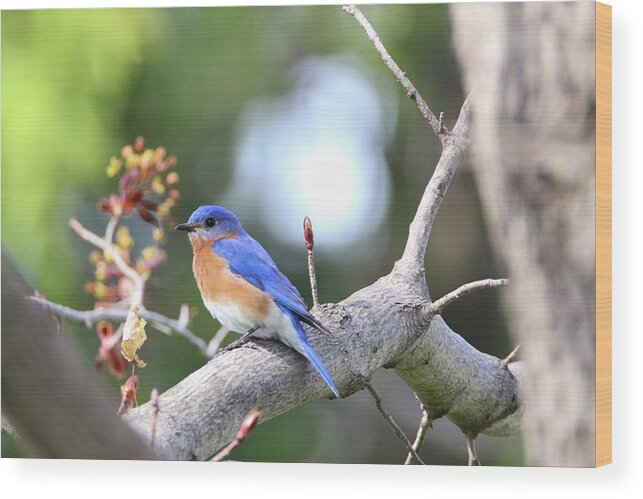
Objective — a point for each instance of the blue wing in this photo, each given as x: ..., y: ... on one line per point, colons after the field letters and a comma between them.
x: 249, y: 260
x: 314, y: 359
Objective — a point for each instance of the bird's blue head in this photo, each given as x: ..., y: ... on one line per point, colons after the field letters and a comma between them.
x: 211, y: 221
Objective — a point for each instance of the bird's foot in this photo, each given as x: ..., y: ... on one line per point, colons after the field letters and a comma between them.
x: 241, y: 341
x: 246, y: 336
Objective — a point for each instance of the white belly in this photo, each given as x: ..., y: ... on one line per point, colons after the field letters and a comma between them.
x: 228, y: 315
x: 276, y: 324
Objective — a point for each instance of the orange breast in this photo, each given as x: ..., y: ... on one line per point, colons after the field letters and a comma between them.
x: 218, y: 284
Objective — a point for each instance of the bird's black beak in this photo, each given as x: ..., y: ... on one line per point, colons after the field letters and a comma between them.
x: 187, y: 227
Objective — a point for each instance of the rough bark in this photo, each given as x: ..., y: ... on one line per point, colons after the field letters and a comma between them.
x: 531, y: 66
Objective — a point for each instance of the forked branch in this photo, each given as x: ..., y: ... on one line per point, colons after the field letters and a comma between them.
x: 425, y: 424
x: 393, y: 424
x: 412, y: 261
x: 454, y: 144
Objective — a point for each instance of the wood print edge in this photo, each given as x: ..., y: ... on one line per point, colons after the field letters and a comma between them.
x: 603, y: 234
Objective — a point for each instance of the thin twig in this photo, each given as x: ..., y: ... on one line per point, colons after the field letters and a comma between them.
x: 101, y: 243
x: 309, y: 239
x: 154, y: 400
x: 250, y: 420
x: 184, y: 315
x: 389, y: 419
x: 411, y: 91
x: 432, y: 309
x: 225, y: 452
x: 471, y: 450
x: 136, y: 388
x: 504, y: 362
x: 106, y: 244
x: 90, y: 317
x: 109, y: 230
x: 425, y: 424
x: 313, y: 278
x: 216, y: 341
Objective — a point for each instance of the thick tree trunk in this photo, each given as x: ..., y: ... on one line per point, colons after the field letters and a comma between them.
x: 52, y: 399
x: 532, y: 69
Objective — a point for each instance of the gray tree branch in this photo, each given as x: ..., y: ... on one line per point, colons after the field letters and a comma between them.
x: 159, y: 321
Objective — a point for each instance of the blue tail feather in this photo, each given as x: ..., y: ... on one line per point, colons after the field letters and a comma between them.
x: 312, y: 356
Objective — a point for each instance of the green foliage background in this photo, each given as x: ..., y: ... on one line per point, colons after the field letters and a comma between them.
x: 79, y: 84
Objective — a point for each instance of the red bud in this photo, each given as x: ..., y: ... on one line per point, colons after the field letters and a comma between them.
x: 147, y: 216
x: 150, y: 205
x: 309, y: 236
x: 116, y: 362
x: 109, y: 351
x: 249, y: 422
x: 127, y: 181
x: 128, y: 393
x: 139, y: 145
x: 105, y: 330
x: 111, y: 205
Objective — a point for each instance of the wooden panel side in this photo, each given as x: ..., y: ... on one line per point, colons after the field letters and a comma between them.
x: 603, y: 234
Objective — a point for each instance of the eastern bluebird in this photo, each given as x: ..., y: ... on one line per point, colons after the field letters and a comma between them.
x: 242, y: 287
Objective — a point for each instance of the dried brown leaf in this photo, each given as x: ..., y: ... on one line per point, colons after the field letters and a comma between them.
x: 133, y: 337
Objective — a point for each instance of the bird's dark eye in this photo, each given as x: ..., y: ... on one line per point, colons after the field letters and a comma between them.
x: 210, y: 222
